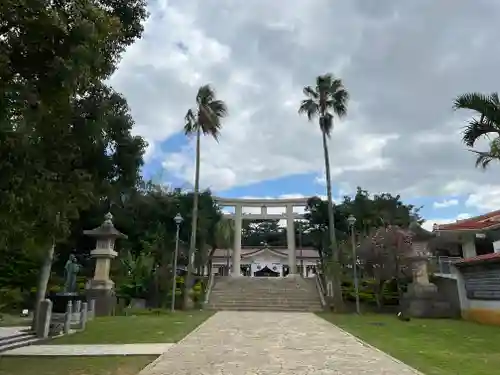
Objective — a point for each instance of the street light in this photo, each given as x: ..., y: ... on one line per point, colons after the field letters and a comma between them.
x: 300, y: 245
x: 178, y: 221
x: 351, y: 220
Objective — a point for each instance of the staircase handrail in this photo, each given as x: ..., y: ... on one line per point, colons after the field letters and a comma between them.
x: 208, y: 287
x: 321, y: 290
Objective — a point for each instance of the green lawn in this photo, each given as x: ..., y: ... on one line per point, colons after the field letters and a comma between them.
x: 74, y: 365
x: 435, y: 347
x: 7, y: 320
x: 164, y: 328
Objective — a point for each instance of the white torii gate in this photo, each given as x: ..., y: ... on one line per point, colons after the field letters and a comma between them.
x: 239, y: 216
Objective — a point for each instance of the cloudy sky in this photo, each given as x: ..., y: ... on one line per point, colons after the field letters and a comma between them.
x: 403, y: 63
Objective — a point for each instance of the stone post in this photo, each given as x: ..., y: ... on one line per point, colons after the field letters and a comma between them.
x: 78, y: 307
x: 91, y: 309
x: 290, y: 239
x: 44, y: 318
x: 84, y: 315
x: 329, y: 288
x: 67, y: 317
x: 236, y: 269
x: 101, y: 287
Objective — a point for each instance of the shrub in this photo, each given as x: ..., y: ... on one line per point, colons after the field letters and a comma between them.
x: 367, y: 289
x: 12, y: 299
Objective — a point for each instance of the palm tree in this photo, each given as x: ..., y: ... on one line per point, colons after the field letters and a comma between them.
x: 328, y: 98
x: 488, y: 107
x: 204, y: 119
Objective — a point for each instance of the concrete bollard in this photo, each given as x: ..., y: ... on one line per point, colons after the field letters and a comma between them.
x: 91, y: 309
x: 78, y: 306
x: 84, y: 315
x: 44, y: 317
x: 329, y: 289
x: 67, y: 317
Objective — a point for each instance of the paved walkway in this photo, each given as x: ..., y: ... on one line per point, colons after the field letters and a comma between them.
x: 262, y: 343
x: 89, y: 350
x: 11, y: 331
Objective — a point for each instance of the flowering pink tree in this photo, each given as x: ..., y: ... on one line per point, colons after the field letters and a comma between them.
x: 385, y: 254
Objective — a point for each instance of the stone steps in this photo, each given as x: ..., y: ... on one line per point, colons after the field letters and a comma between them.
x: 18, y: 340
x: 264, y: 294
x: 264, y: 299
x: 248, y: 305
x: 230, y: 307
x: 240, y: 298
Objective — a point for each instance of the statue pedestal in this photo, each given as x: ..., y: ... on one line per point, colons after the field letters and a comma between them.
x: 60, y: 301
x: 422, y: 300
x: 103, y: 293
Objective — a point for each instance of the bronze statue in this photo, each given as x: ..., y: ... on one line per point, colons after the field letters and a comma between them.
x: 71, y: 269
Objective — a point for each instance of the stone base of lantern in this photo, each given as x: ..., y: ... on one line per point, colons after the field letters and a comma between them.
x: 424, y: 301
x: 103, y: 292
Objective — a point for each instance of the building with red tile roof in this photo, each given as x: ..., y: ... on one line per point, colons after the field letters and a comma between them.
x: 476, y: 236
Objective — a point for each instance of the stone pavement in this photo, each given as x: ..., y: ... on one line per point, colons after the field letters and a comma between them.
x: 11, y: 331
x: 89, y: 350
x: 261, y: 343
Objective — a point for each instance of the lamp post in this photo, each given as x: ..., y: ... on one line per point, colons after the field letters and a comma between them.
x: 351, y: 220
x: 300, y: 245
x: 178, y: 221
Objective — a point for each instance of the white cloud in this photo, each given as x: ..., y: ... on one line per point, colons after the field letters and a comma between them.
x: 485, y: 198
x: 396, y: 58
x: 428, y: 224
x: 445, y: 203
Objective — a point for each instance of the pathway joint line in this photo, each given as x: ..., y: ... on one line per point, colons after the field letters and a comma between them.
x: 90, y: 350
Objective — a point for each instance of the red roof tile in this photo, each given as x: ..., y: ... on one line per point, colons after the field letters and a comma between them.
x: 479, y: 258
x: 474, y: 223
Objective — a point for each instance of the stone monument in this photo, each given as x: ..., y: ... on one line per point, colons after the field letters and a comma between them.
x: 101, y: 288
x: 422, y: 299
x: 70, y: 291
x: 68, y: 297
x: 71, y: 269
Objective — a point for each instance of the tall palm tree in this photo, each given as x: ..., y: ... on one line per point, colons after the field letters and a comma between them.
x: 327, y: 99
x: 204, y: 119
x: 488, y: 107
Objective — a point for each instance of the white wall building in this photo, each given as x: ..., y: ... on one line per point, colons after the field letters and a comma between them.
x: 266, y: 261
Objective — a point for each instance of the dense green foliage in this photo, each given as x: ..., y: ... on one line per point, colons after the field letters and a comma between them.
x: 65, y: 141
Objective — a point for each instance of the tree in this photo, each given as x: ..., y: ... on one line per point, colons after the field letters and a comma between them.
x: 327, y: 99
x: 258, y: 232
x: 385, y: 254
x: 51, y: 55
x: 371, y: 211
x: 223, y: 238
x: 488, y: 108
x: 204, y: 119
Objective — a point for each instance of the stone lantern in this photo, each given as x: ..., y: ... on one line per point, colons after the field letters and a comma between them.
x: 101, y: 287
x: 420, y: 238
x: 423, y: 299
